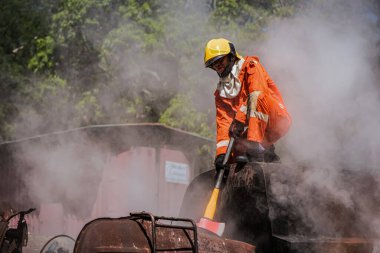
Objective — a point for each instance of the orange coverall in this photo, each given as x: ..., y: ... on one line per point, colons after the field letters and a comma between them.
x: 268, y: 119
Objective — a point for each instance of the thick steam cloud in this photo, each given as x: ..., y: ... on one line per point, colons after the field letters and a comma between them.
x: 325, y: 61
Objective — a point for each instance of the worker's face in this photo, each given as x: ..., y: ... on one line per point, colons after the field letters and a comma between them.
x: 220, y: 64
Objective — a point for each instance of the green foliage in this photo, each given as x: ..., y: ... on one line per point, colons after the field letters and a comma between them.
x: 182, y: 114
x: 42, y: 59
x: 88, y: 110
x: 44, y: 105
x: 6, y: 127
x: 49, y: 87
x: 20, y: 23
x: 68, y: 63
x: 248, y: 19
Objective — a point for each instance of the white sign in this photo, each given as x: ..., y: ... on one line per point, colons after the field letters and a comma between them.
x: 177, y: 172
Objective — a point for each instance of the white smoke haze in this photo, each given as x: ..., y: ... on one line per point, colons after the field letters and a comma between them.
x: 54, y: 105
x: 324, y: 60
x: 63, y: 170
x: 66, y: 171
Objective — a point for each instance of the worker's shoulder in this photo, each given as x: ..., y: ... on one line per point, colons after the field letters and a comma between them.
x: 252, y: 60
x: 251, y: 63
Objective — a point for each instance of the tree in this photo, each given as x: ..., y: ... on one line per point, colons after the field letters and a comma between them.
x: 20, y: 23
x: 180, y: 114
x: 101, y: 61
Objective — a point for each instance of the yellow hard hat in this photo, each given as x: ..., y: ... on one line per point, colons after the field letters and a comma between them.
x: 216, y: 49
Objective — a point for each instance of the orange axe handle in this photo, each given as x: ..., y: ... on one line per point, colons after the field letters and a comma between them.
x: 211, y: 206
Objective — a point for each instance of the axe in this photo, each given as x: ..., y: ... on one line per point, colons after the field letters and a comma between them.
x: 206, y: 222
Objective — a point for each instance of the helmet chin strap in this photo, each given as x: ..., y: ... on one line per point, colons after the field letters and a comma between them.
x: 228, y: 69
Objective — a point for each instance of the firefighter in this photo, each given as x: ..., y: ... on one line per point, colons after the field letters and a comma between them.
x: 249, y: 105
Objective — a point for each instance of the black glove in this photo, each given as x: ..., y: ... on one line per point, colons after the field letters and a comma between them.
x: 219, y: 162
x: 236, y: 129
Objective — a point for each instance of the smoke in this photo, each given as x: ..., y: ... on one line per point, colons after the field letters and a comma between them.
x: 140, y: 82
x: 325, y: 62
x: 62, y: 169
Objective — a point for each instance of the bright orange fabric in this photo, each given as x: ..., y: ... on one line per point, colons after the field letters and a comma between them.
x: 268, y: 119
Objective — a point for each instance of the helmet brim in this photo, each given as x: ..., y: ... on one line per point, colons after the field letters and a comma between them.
x: 212, y: 60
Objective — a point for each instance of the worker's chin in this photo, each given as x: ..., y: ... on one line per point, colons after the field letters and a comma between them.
x: 219, y: 72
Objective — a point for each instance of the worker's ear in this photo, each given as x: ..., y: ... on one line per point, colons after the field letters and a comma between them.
x: 233, y: 58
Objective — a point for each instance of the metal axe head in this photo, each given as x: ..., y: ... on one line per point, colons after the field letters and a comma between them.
x: 212, y: 226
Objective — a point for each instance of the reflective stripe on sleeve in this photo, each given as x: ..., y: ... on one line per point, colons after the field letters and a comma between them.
x: 253, y: 100
x: 253, y: 97
x: 259, y: 115
x: 223, y: 143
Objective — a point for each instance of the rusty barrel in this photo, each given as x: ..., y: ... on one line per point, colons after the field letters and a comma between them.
x: 143, y: 232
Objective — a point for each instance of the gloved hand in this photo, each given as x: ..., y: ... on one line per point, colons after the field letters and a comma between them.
x: 236, y: 129
x: 219, y: 162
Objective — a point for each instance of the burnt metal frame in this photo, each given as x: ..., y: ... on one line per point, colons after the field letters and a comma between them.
x: 19, y: 234
x: 152, y: 242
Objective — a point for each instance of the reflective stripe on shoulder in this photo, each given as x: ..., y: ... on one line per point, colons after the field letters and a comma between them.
x: 243, y: 109
x: 223, y: 143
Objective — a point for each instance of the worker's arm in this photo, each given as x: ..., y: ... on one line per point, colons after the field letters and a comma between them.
x: 224, y: 117
x: 241, y: 114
